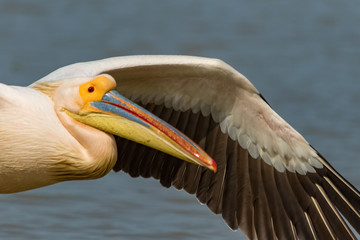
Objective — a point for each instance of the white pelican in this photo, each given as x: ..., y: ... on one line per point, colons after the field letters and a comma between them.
x: 269, y: 182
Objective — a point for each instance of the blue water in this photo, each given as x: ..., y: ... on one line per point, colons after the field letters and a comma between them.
x: 302, y: 56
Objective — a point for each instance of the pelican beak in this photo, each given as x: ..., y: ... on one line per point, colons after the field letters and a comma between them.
x: 119, y: 116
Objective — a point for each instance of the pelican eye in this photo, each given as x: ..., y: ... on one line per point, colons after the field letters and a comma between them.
x: 91, y: 89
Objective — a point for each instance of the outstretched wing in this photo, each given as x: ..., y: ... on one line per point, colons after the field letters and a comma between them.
x: 270, y: 182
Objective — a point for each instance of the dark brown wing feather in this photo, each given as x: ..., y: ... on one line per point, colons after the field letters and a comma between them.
x: 250, y: 194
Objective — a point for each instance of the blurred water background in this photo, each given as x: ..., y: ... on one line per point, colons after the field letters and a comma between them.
x: 303, y: 56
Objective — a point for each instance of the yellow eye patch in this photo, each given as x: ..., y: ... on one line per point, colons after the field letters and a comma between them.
x: 96, y: 88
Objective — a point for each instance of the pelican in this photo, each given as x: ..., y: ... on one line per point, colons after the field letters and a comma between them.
x: 193, y: 123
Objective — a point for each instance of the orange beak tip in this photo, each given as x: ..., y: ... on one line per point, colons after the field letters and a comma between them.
x: 214, y: 167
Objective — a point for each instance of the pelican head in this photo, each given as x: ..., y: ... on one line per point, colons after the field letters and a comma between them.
x: 95, y: 103
x: 99, y: 106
